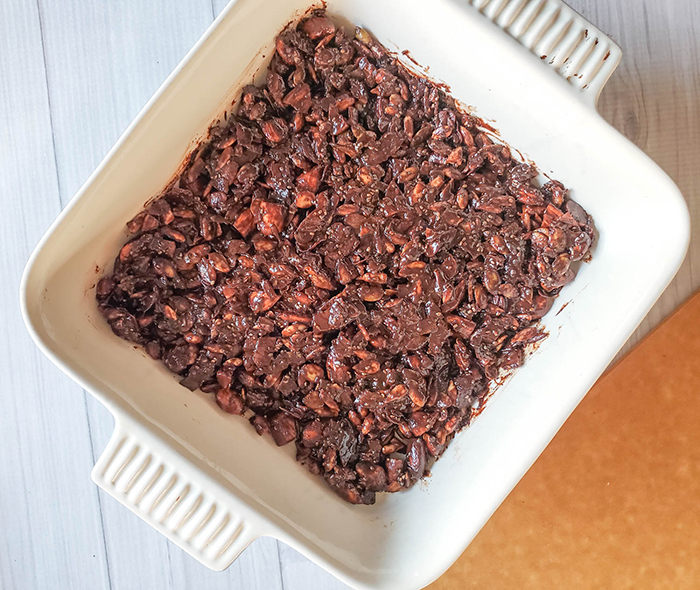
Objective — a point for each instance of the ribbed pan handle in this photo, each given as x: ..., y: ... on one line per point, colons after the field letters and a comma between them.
x: 175, y: 498
x: 562, y: 38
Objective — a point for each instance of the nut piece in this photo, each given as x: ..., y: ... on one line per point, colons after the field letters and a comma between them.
x: 230, y: 402
x: 283, y: 428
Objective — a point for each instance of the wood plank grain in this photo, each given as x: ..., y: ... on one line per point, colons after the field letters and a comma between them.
x: 654, y: 100
x: 298, y: 573
x: 50, y: 528
x: 217, y: 6
x: 105, y: 60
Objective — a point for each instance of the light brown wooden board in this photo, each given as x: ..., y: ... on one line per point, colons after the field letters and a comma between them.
x: 614, y: 501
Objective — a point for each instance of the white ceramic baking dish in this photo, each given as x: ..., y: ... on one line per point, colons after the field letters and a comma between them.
x: 205, y: 479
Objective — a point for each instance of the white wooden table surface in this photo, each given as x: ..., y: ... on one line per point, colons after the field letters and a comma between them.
x: 73, y: 74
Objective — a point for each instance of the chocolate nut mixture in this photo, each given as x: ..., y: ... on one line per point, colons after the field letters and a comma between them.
x: 348, y: 262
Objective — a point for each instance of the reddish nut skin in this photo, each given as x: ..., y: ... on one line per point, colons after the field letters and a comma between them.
x: 349, y: 261
x: 528, y: 335
x: 219, y: 262
x: 372, y: 477
x: 275, y: 130
x: 310, y: 180
x: 230, y: 402
x: 304, y: 199
x: 260, y: 424
x: 260, y: 300
x: 245, y: 222
x: 282, y: 428
x: 318, y: 26
x: 415, y: 458
x: 312, y: 434
x: 272, y: 218
x: 299, y: 98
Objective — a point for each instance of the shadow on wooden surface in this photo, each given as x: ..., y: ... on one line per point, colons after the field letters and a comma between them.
x: 613, y: 501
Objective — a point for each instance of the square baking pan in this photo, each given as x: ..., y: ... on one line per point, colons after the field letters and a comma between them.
x: 531, y: 68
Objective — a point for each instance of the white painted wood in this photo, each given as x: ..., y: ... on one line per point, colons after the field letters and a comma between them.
x: 50, y: 529
x: 654, y: 99
x: 74, y: 74
x: 298, y: 573
x: 104, y: 61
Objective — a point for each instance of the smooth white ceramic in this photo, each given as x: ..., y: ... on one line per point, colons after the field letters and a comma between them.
x: 204, y: 478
